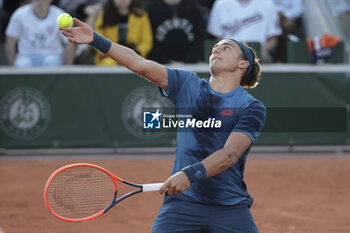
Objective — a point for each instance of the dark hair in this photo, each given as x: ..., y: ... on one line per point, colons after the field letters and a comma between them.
x: 251, y: 80
x: 111, y: 15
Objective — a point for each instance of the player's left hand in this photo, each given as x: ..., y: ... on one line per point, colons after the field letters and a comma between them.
x: 176, y: 184
x: 82, y: 33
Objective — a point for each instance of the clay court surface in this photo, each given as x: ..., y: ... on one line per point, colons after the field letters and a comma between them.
x: 300, y: 193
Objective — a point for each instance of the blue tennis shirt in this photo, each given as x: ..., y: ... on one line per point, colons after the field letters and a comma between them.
x: 237, y: 110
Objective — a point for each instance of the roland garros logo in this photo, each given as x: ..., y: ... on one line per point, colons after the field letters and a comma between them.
x: 24, y: 113
x: 132, y: 113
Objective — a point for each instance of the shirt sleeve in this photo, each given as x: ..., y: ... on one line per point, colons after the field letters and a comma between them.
x: 251, y: 120
x: 14, y: 26
x: 176, y: 80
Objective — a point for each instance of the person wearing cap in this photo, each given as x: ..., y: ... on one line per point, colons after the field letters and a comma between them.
x: 206, y: 191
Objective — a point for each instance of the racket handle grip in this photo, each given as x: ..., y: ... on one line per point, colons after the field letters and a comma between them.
x: 151, y: 187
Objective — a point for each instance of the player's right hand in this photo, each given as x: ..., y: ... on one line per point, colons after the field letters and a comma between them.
x: 176, y: 184
x: 82, y: 33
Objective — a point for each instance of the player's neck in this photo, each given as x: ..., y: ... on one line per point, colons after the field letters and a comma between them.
x: 224, y: 84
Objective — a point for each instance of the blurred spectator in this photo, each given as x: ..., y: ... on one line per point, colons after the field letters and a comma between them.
x: 122, y: 22
x: 33, y: 28
x: 290, y: 14
x: 247, y: 20
x: 178, y: 31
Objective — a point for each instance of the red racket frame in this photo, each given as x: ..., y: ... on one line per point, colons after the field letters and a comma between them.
x: 113, y: 203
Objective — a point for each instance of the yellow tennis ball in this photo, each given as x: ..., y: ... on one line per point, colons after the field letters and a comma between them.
x: 64, y: 20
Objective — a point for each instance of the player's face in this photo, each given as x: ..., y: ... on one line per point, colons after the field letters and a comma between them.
x: 225, y: 55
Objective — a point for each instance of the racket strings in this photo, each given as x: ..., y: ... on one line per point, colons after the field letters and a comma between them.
x: 80, y: 192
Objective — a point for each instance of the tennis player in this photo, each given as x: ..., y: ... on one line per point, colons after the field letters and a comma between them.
x: 206, y: 192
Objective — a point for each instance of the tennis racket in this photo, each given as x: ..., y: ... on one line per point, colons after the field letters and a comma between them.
x: 79, y: 192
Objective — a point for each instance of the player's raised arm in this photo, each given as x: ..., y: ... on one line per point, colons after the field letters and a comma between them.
x: 84, y: 34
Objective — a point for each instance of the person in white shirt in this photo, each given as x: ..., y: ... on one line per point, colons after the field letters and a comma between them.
x: 34, y: 31
x: 247, y: 20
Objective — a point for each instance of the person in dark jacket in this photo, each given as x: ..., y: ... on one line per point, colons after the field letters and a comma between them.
x: 178, y: 31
